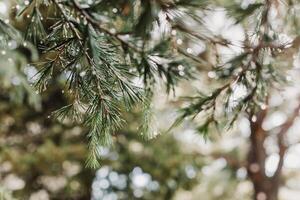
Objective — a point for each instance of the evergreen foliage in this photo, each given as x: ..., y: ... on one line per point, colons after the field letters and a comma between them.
x: 100, y: 48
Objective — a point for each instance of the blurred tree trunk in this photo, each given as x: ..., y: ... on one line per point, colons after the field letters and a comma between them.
x: 265, y: 187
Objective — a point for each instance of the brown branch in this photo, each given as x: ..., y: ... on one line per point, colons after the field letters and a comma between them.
x: 74, y: 30
x: 97, y: 24
x: 194, y: 58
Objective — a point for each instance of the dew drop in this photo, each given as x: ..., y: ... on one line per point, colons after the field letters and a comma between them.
x: 173, y: 32
x: 253, y: 118
x: 179, y: 41
x: 115, y: 10
x: 263, y: 106
x: 180, y: 67
x: 211, y: 74
x: 189, y: 50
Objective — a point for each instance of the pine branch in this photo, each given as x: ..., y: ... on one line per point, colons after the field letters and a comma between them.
x: 97, y: 24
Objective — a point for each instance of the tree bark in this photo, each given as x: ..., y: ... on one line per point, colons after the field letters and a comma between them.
x: 266, y: 188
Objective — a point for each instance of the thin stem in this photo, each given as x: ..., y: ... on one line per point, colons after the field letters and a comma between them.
x: 97, y: 23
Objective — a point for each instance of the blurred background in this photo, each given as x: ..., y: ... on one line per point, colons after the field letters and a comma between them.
x: 42, y: 158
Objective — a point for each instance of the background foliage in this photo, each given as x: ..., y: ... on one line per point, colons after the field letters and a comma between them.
x: 79, y: 76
